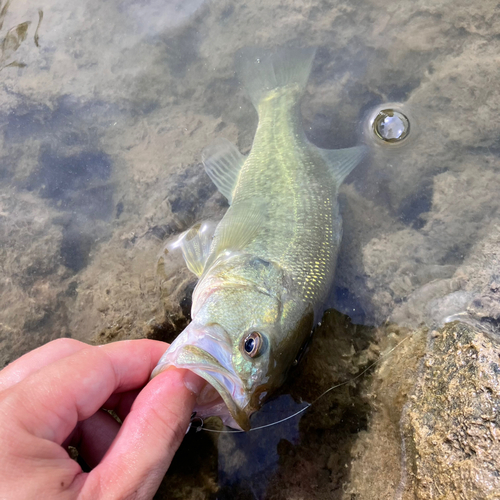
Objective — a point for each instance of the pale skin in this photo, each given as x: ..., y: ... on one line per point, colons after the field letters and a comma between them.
x: 53, y: 396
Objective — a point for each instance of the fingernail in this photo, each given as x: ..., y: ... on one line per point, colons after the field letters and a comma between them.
x: 194, y: 382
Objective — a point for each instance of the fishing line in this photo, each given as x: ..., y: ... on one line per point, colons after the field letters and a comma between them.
x: 302, y: 410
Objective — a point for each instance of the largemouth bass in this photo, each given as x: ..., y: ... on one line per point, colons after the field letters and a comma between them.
x: 266, y: 269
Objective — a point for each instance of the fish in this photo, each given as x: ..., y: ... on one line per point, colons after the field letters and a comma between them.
x: 266, y: 269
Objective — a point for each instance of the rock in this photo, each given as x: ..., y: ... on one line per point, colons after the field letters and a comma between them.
x: 451, y: 423
x: 35, y: 287
x: 435, y: 420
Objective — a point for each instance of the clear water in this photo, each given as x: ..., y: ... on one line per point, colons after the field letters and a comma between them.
x: 103, y: 118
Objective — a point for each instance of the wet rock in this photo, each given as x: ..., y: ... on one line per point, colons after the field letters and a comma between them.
x: 451, y: 424
x: 435, y: 420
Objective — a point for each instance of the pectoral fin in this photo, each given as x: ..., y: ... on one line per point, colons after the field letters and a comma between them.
x: 223, y: 163
x: 341, y: 162
x: 195, y: 245
x: 239, y: 227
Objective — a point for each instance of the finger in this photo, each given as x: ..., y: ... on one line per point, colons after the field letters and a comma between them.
x: 39, y: 358
x: 148, y: 439
x: 51, y: 401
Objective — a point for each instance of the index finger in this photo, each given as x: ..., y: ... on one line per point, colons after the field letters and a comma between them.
x: 51, y: 401
x: 35, y: 360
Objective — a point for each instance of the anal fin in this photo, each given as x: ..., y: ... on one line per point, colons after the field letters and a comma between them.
x: 341, y: 162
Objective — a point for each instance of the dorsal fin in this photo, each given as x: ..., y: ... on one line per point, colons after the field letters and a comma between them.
x: 195, y: 245
x: 223, y: 163
x: 341, y: 162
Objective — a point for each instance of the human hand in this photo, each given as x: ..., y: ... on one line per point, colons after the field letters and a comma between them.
x: 52, y: 397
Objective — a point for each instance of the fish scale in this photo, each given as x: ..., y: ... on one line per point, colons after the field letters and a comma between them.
x: 299, y: 231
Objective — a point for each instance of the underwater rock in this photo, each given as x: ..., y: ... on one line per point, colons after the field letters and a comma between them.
x: 469, y: 292
x: 401, y: 273
x: 351, y: 349
x: 33, y: 281
x: 482, y: 269
x: 126, y: 291
x: 315, y: 463
x: 193, y: 471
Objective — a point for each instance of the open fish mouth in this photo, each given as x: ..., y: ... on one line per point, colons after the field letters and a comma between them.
x: 206, y: 351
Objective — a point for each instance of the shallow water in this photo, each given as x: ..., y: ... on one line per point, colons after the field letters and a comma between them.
x: 104, y: 116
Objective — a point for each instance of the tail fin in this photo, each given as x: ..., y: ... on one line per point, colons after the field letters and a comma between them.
x: 263, y: 70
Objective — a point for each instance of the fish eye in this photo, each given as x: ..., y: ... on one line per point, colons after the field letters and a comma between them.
x: 252, y: 344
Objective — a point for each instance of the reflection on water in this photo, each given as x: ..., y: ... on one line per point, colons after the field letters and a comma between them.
x: 391, y: 125
x: 105, y: 110
x: 13, y: 39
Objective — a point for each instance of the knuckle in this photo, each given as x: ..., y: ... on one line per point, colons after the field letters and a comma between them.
x: 67, y: 343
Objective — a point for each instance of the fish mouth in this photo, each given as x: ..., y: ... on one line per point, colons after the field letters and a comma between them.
x: 206, y: 351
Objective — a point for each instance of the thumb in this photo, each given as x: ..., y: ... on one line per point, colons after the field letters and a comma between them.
x: 152, y: 432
